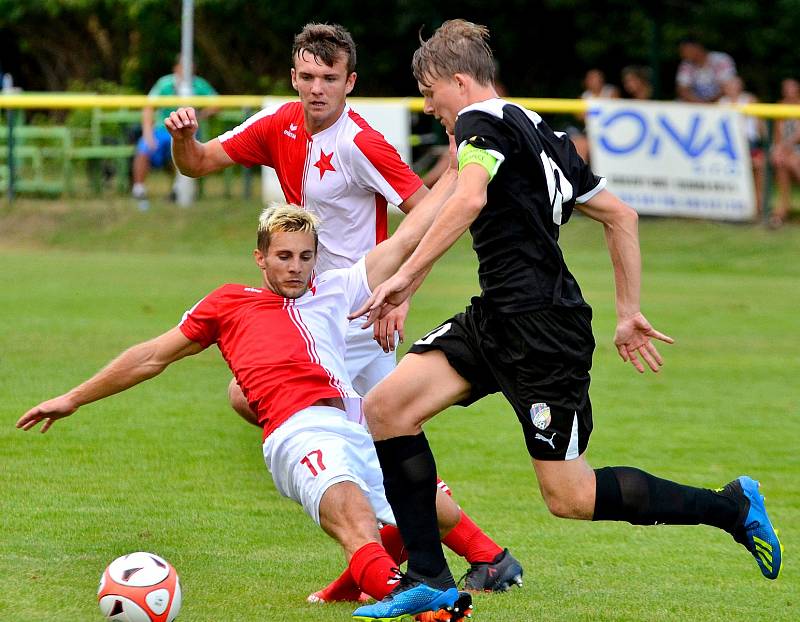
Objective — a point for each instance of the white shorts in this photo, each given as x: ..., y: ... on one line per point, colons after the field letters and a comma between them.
x: 366, y: 362
x: 317, y: 448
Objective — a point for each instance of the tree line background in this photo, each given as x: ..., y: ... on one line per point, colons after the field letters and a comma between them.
x: 543, y: 47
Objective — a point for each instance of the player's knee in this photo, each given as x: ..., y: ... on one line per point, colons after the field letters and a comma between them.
x: 448, y: 514
x: 560, y: 505
x: 569, y: 503
x: 346, y: 516
x: 392, y: 412
x: 377, y: 410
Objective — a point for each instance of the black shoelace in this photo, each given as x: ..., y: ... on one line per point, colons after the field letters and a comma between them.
x: 404, y: 582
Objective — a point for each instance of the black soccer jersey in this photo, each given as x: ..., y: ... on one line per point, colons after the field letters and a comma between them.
x: 515, y: 236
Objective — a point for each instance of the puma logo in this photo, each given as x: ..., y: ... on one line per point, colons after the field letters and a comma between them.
x: 549, y: 441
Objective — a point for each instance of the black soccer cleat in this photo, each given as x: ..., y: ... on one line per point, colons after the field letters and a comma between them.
x: 498, y: 576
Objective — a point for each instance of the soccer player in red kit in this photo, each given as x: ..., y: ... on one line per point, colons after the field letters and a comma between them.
x: 329, y: 161
x: 332, y: 163
x: 283, y: 341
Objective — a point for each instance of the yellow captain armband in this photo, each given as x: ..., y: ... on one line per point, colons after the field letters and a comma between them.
x: 470, y: 154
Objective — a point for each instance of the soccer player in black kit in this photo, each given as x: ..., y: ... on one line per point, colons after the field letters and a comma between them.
x: 528, y: 334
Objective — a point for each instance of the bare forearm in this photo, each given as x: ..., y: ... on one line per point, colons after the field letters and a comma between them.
x: 621, y: 224
x: 452, y: 221
x: 189, y: 157
x: 622, y: 237
x: 455, y: 216
x: 128, y: 369
x: 420, y: 219
x: 386, y: 258
x: 421, y: 277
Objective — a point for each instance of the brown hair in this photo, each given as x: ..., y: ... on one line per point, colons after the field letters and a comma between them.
x: 457, y: 46
x: 326, y: 42
x: 285, y: 218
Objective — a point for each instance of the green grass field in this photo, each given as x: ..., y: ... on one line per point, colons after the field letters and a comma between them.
x: 168, y: 468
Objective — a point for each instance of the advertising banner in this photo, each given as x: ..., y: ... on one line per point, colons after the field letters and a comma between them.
x: 673, y: 159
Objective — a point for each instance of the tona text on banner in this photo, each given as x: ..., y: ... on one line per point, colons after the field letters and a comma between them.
x: 673, y: 159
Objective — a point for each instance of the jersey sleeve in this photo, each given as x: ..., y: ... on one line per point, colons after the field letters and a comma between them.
x: 251, y: 142
x: 562, y: 155
x: 200, y: 323
x: 484, y: 131
x: 377, y: 166
x: 356, y: 285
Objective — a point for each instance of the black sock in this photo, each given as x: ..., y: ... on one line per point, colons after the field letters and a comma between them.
x: 628, y: 494
x: 409, y: 478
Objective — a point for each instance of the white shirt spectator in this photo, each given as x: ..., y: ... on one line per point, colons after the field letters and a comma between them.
x: 705, y: 81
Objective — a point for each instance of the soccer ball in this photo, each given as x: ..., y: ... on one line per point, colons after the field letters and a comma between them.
x: 140, y: 587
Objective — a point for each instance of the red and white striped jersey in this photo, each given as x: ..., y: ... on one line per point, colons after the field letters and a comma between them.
x: 285, y: 353
x: 344, y: 174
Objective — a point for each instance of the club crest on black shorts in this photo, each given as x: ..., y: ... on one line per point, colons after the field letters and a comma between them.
x: 540, y: 415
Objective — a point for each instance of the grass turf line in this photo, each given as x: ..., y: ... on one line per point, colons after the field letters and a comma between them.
x: 167, y: 467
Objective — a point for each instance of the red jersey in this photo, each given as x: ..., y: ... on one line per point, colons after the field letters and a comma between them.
x: 285, y: 353
x: 344, y: 174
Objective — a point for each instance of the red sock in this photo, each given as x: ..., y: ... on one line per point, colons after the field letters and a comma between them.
x: 343, y: 587
x: 393, y: 543
x: 373, y: 570
x: 467, y: 540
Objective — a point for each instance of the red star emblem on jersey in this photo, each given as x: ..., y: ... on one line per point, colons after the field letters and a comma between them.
x: 324, y: 163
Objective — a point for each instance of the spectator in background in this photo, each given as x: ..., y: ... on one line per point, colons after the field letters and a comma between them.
x: 733, y: 93
x: 636, y: 82
x: 701, y: 73
x: 785, y: 153
x: 154, y: 147
x: 595, y: 86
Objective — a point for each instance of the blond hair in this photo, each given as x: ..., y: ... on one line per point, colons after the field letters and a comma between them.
x: 457, y: 46
x: 285, y: 218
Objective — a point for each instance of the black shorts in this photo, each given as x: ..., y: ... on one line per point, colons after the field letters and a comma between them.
x: 540, y: 360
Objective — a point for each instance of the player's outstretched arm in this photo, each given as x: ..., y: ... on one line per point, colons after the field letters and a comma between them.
x: 392, y: 324
x: 384, y: 260
x: 634, y: 333
x: 456, y: 215
x: 136, y: 364
x: 192, y: 157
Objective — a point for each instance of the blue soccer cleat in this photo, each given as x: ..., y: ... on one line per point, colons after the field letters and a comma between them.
x: 412, y: 597
x: 755, y: 531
